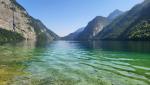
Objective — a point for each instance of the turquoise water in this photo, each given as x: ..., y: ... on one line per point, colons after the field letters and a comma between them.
x: 75, y: 63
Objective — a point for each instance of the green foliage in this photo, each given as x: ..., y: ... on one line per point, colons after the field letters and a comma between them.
x: 42, y: 33
x: 41, y: 36
x: 141, y: 31
x: 8, y: 36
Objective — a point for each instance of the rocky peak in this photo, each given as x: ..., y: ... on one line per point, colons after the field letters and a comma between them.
x: 114, y: 14
x: 93, y: 28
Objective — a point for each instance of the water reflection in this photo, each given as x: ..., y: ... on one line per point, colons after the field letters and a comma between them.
x: 130, y: 46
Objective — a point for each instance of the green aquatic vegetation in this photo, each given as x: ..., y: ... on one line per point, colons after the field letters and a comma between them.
x: 74, y: 64
x: 11, y: 63
x: 8, y: 72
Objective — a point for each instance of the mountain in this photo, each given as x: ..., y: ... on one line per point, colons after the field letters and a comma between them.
x: 93, y: 28
x: 74, y: 35
x: 114, y: 14
x: 132, y: 25
x: 15, y: 21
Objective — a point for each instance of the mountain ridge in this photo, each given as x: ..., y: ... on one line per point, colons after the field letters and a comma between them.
x: 94, y: 27
x: 114, y: 14
x: 15, y: 18
x: 125, y: 26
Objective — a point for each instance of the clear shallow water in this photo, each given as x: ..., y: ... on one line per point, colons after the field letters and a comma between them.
x: 75, y: 63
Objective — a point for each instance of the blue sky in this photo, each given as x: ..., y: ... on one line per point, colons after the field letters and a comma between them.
x: 66, y: 16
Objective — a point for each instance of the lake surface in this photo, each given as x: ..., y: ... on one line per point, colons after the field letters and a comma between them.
x: 75, y: 63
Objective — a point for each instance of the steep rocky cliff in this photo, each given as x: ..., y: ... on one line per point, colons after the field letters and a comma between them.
x: 93, y: 28
x: 14, y: 18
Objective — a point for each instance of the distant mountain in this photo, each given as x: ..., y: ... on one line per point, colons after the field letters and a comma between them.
x: 15, y: 21
x: 74, y: 35
x: 93, y: 28
x: 132, y: 25
x: 114, y: 14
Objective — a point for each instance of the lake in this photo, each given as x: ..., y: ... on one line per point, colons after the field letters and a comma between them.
x: 75, y: 63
